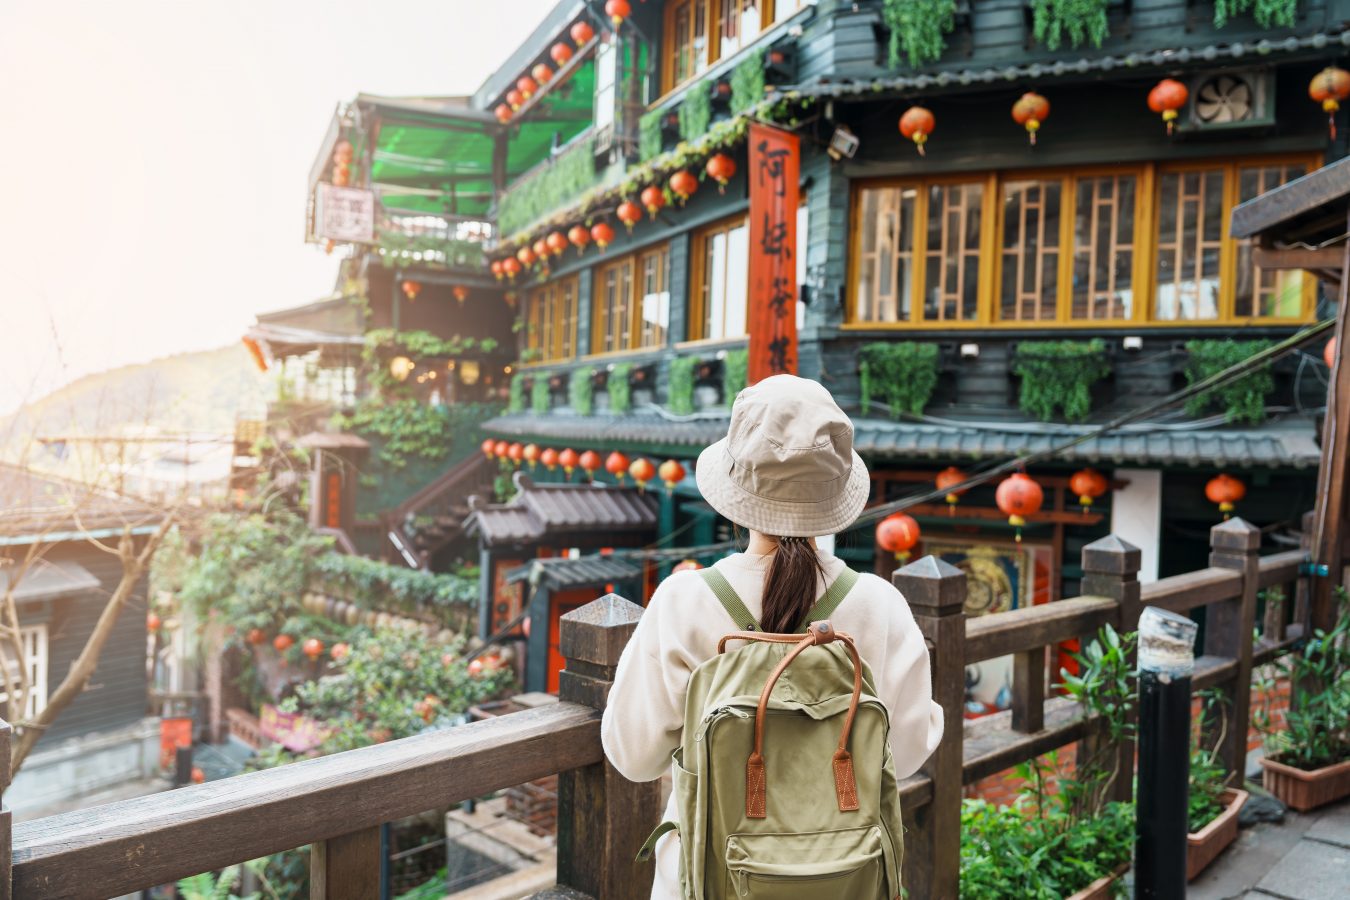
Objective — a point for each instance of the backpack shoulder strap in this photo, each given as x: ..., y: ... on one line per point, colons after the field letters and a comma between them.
x: 833, y: 596
x: 729, y: 599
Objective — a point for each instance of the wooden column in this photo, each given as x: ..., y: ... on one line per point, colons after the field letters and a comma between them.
x: 603, y: 818
x: 936, y: 592
x: 346, y: 867
x: 6, y: 821
x: 1228, y: 634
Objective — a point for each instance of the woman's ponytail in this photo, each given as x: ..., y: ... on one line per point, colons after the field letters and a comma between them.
x: 790, y: 588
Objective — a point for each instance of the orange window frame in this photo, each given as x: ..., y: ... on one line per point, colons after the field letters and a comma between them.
x: 698, y: 275
x: 617, y: 324
x: 714, y: 13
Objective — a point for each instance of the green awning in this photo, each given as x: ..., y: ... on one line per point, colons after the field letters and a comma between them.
x: 566, y: 110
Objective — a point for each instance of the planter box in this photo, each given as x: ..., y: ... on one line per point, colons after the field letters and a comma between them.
x: 1101, y: 888
x: 1207, y: 843
x: 1307, y: 790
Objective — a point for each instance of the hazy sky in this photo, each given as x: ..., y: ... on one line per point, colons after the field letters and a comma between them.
x: 155, y: 155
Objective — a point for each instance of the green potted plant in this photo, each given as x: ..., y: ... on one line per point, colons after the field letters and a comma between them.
x: 1307, y: 762
x: 1214, y: 806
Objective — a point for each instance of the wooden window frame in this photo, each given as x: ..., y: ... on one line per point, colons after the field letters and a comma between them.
x: 712, y: 10
x: 552, y: 331
x: 698, y: 275
x: 33, y: 638
x: 631, y: 336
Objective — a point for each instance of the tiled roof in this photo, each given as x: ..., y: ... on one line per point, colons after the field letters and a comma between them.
x: 45, y: 579
x: 543, y: 510
x: 561, y: 573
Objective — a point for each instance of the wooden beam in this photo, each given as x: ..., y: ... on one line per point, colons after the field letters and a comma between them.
x: 989, y: 514
x: 1181, y: 593
x: 1330, y: 512
x: 1031, y: 627
x: 346, y: 867
x: 1298, y: 258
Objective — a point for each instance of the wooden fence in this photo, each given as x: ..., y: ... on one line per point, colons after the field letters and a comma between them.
x: 337, y: 803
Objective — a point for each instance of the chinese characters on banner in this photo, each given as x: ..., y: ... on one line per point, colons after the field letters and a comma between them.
x: 775, y: 161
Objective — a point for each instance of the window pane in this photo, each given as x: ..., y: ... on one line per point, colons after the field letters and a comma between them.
x: 1103, y: 260
x: 1258, y: 292
x: 655, y: 299
x: 951, y: 282
x: 606, y: 61
x: 1031, y: 218
x: 738, y: 280
x: 714, y: 284
x: 886, y: 257
x: 1190, y: 233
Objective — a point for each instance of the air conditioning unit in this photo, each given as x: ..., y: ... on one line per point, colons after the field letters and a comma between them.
x: 1229, y: 100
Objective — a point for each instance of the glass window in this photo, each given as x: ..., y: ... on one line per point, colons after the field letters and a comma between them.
x: 1030, y: 258
x: 654, y: 270
x: 1103, y: 247
x: 886, y: 256
x: 34, y: 644
x: 782, y: 9
x: 738, y: 23
x: 1261, y: 293
x: 552, y: 320
x: 1190, y: 242
x: 686, y: 41
x: 952, y: 264
x: 606, y: 67
x: 632, y: 303
x: 722, y: 281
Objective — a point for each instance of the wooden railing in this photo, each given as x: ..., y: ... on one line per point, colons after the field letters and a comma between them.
x: 337, y: 803
x: 436, y: 500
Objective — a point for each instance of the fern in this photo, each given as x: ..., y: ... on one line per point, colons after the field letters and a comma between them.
x: 1082, y: 21
x: 695, y: 112
x: 539, y: 393
x: 918, y: 29
x: 747, y: 82
x: 681, y: 388
x: 516, y: 404
x: 620, y: 391
x: 1059, y: 375
x: 735, y: 374
x: 1243, y: 399
x: 581, y: 389
x: 649, y: 135
x: 1265, y: 13
x: 903, y: 373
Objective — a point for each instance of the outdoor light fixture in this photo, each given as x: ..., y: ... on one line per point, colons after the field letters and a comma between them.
x: 843, y: 143
x: 970, y: 351
x: 401, y: 367
x: 1133, y: 342
x: 468, y: 371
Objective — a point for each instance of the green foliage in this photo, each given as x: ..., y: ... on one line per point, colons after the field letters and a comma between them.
x: 548, y: 187
x: 695, y: 111
x: 747, y: 82
x: 649, y: 135
x: 396, y: 249
x: 903, y: 373
x: 1242, y: 399
x: 619, y: 389
x: 1316, y: 729
x: 516, y: 402
x: 1081, y: 21
x: 1266, y: 13
x: 581, y: 390
x: 539, y: 393
x: 207, y: 886
x: 680, y: 390
x: 432, y: 889
x: 918, y: 29
x: 735, y: 374
x: 410, y: 429
x: 1208, y: 778
x: 1105, y: 688
x: 1059, y: 374
x: 449, y: 597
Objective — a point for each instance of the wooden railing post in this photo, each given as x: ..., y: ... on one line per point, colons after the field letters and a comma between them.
x: 1235, y: 544
x: 6, y: 821
x: 603, y: 818
x: 346, y: 867
x: 936, y: 592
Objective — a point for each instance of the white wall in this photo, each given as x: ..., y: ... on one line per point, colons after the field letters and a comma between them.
x: 1136, y: 516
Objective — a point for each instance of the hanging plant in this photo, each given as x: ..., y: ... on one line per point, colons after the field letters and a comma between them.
x: 539, y: 393
x: 620, y: 391
x: 1082, y: 21
x: 516, y: 403
x: 747, y: 82
x: 1059, y: 374
x: 1243, y: 399
x: 735, y: 373
x: 918, y: 29
x: 1265, y: 13
x: 681, y: 385
x: 902, y: 373
x: 649, y: 135
x: 580, y: 390
x: 695, y: 112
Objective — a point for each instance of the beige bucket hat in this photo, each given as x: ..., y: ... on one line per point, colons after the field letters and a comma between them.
x: 787, y: 466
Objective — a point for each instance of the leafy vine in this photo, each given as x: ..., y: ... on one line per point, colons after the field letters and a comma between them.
x: 581, y: 389
x: 619, y: 389
x: 539, y: 393
x: 1059, y: 374
x: 680, y: 389
x: 747, y: 82
x: 1081, y: 21
x: 1265, y: 13
x: 735, y: 374
x: 918, y: 29
x: 649, y: 135
x: 1243, y: 399
x: 695, y: 111
x: 903, y: 373
x: 516, y: 400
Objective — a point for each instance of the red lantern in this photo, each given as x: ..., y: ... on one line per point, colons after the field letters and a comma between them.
x: 653, y: 198
x: 527, y: 86
x: 898, y: 533
x: 515, y: 98
x: 342, y: 173
x: 602, y: 234
x: 688, y: 565
x: 579, y: 237
x: 312, y: 647
x: 500, y: 448
x: 342, y: 151
x: 530, y: 454
x: 590, y: 463
x: 617, y: 465
x: 617, y: 10
x: 497, y: 271
x: 542, y: 250
x: 255, y: 636
x: 569, y: 460
x: 526, y: 256
x: 582, y: 33
x: 1168, y: 96
x: 630, y: 214
x: 488, y: 445
x: 549, y: 457
x: 1329, y: 87
x: 512, y: 267
x: 947, y: 478
x: 642, y: 471
x: 557, y: 242
x: 683, y: 185
x: 152, y: 622
x: 542, y: 73
x: 515, y: 453
x: 1029, y: 112
x: 1329, y: 354
x: 1018, y: 497
x: 1088, y: 484
x: 340, y: 651
x: 1226, y: 491
x: 503, y: 113
x: 283, y: 642
x: 672, y: 473
x: 721, y: 168
x: 561, y: 53
x: 916, y: 125
x: 461, y: 292
x: 411, y: 289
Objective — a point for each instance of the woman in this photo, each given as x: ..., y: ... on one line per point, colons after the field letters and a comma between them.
x: 786, y: 472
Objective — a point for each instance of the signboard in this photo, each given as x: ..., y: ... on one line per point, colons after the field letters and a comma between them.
x: 346, y: 215
x: 291, y: 730
x: 775, y: 163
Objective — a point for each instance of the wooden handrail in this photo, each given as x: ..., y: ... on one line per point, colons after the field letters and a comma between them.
x: 1182, y: 593
x: 1015, y: 630
x: 453, y: 478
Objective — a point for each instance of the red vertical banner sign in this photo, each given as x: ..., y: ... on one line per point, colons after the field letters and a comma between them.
x: 775, y: 164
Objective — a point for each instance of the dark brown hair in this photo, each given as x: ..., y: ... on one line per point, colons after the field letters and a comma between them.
x: 790, y: 587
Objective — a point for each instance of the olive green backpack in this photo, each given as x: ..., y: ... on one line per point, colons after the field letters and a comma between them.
x: 783, y: 780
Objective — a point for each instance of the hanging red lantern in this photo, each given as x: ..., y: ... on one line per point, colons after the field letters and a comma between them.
x: 152, y: 622
x: 579, y: 237
x: 499, y: 449
x: 569, y: 460
x: 590, y: 463
x: 527, y: 86
x: 557, y: 243
x: 411, y: 289
x: 582, y: 33
x: 642, y: 471
x: 340, y: 651
x: 342, y: 173
x: 1018, y: 497
x: 617, y: 10
x: 1088, y: 484
x: 526, y: 256
x: 1225, y: 490
x: 898, y: 533
x: 1329, y: 354
x: 916, y: 125
x: 542, y: 73
x: 512, y: 267
x: 342, y: 151
x: 497, y: 271
x: 687, y: 565
x: 489, y: 445
x: 461, y: 293
x: 312, y: 647
x: 515, y: 453
x: 672, y: 473
x: 542, y: 250
x: 256, y: 636
x: 1329, y: 87
x: 515, y: 99
x: 503, y: 113
x: 629, y: 213
x: 603, y: 235
x: 530, y: 454
x: 948, y: 478
x: 653, y: 198
x: 721, y: 168
x: 560, y: 53
x: 329, y: 246
x: 1167, y: 97
x: 683, y: 184
x: 549, y: 457
x: 616, y: 464
x: 283, y: 642
x: 1029, y: 112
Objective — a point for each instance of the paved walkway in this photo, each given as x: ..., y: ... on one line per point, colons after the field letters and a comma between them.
x: 1305, y: 858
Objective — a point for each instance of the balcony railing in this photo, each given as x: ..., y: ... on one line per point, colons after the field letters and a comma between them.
x: 337, y: 803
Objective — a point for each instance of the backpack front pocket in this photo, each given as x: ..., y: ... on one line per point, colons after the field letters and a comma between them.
x: 810, y: 866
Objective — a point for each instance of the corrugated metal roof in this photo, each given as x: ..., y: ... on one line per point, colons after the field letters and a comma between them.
x: 46, y: 579
x: 541, y: 510
x: 560, y: 573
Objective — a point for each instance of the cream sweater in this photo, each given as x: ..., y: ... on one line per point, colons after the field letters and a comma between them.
x: 679, y: 631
